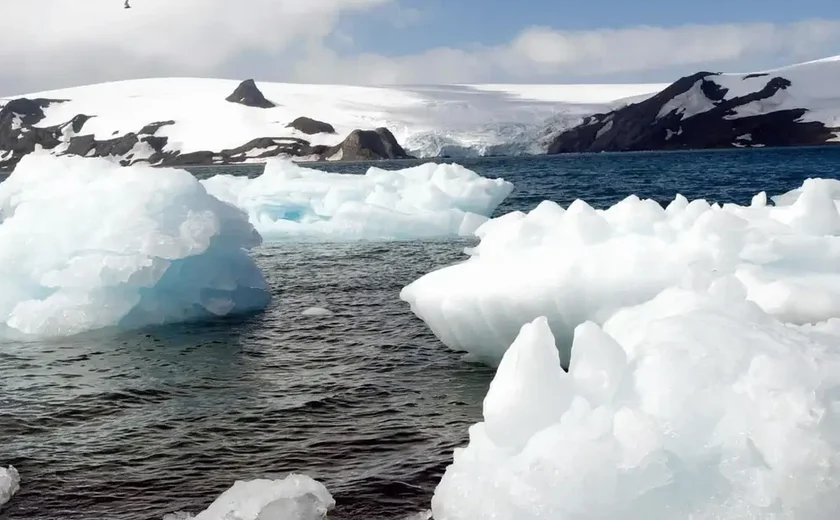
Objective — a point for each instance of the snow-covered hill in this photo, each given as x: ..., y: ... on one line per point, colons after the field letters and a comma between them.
x: 795, y: 105
x: 429, y: 121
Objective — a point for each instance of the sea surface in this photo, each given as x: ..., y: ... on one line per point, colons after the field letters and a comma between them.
x: 135, y: 425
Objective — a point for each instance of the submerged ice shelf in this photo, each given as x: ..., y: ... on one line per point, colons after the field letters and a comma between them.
x: 577, y: 264
x: 85, y: 244
x: 430, y: 200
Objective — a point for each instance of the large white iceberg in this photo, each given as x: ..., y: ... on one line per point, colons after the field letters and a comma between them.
x: 580, y: 264
x: 85, y: 244
x: 9, y: 484
x: 296, y: 497
x: 425, y: 201
x: 697, y: 404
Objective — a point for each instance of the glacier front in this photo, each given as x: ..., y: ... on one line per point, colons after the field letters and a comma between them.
x: 427, y: 201
x: 578, y: 264
x: 86, y: 244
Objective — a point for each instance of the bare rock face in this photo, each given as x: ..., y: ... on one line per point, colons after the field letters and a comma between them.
x: 649, y: 125
x: 19, y: 137
x: 367, y: 145
x: 311, y: 126
x: 249, y: 95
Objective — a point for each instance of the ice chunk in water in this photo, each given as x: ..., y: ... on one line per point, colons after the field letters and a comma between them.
x: 430, y: 200
x: 697, y: 404
x: 317, y: 312
x: 86, y: 244
x: 580, y: 264
x: 296, y: 497
x: 9, y: 483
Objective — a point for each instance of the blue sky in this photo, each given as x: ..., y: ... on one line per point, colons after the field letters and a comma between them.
x: 407, y: 41
x: 465, y: 22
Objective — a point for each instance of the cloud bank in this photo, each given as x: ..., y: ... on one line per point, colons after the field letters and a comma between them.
x: 58, y: 43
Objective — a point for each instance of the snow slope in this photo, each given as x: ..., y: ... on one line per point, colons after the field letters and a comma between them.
x: 797, y: 105
x: 813, y: 86
x: 427, y: 120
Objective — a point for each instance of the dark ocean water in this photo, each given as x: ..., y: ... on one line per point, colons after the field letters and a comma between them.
x: 134, y: 425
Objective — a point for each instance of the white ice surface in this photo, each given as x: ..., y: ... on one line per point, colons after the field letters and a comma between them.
x: 317, y: 312
x: 296, y: 497
x: 429, y: 200
x: 813, y: 87
x: 689, y: 103
x: 85, y: 244
x: 429, y: 120
x: 580, y: 264
x: 9, y: 484
x: 696, y: 404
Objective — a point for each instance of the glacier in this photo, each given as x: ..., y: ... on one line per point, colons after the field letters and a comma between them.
x: 696, y: 404
x: 578, y: 264
x: 432, y: 120
x: 431, y: 200
x: 85, y: 244
x: 296, y: 497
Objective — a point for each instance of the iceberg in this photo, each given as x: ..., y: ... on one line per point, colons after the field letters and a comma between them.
x: 578, y: 264
x: 9, y: 484
x: 696, y: 404
x: 427, y: 201
x: 296, y: 497
x: 86, y: 244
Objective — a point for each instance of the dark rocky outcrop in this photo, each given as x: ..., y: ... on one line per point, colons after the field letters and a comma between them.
x: 311, y: 126
x: 644, y: 126
x: 152, y: 128
x: 367, y: 145
x: 265, y: 147
x: 18, y: 137
x: 249, y: 95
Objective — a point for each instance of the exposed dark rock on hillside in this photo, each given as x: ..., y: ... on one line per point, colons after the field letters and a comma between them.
x: 18, y: 137
x: 310, y: 126
x: 671, y: 120
x: 249, y: 95
x: 365, y: 145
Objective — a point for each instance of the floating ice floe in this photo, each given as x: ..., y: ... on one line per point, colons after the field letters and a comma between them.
x: 317, y: 312
x: 428, y: 201
x: 296, y: 497
x: 580, y: 264
x: 696, y: 404
x: 9, y: 484
x: 86, y: 244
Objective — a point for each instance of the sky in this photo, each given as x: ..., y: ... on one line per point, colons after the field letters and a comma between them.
x: 51, y: 44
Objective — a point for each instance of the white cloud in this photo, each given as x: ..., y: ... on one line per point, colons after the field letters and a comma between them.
x: 63, y: 41
x: 539, y: 54
x: 56, y: 43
